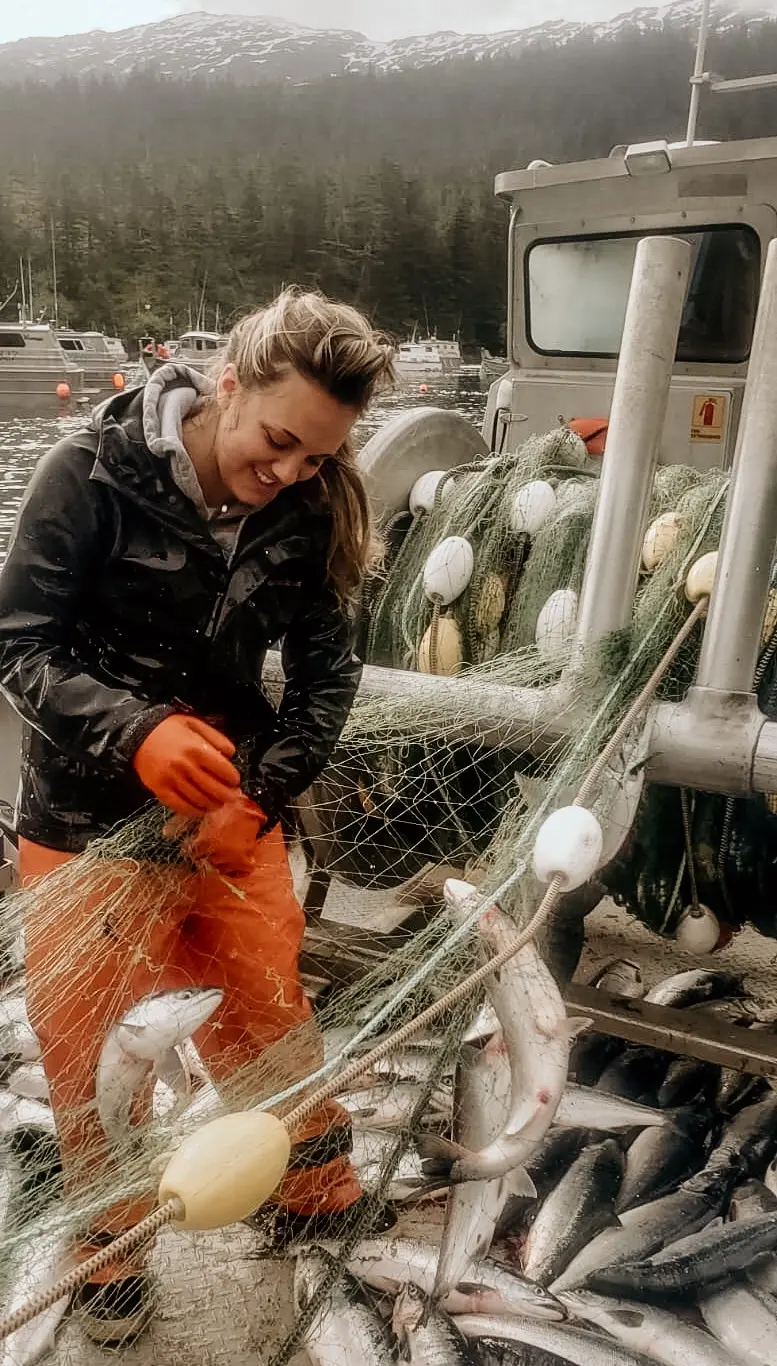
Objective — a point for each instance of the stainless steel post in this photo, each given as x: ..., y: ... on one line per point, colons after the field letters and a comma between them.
x: 658, y: 285
x: 732, y: 635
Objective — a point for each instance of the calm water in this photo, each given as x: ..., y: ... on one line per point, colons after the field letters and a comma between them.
x: 23, y: 440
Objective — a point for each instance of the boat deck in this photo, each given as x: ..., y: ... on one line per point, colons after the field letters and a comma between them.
x: 221, y: 1306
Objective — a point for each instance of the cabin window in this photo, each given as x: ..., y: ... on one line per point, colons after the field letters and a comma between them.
x: 71, y: 344
x: 576, y: 291
x: 9, y: 339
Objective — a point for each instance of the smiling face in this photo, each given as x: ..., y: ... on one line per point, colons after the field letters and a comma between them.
x: 268, y: 439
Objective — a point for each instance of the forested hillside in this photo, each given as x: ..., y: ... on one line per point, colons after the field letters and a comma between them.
x: 378, y: 188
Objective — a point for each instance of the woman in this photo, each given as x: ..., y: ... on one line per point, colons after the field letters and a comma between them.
x: 156, y: 556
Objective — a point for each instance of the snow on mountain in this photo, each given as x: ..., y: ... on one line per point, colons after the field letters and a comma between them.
x: 255, y: 49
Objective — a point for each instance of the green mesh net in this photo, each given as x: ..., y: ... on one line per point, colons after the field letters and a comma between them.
x: 413, y: 794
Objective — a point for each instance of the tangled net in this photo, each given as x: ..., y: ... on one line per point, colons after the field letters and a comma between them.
x: 405, y: 801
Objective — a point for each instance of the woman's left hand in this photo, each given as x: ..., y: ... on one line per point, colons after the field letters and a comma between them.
x: 226, y: 838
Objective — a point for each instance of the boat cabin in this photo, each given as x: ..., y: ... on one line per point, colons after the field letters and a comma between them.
x: 427, y: 357
x: 29, y: 343
x: 81, y: 343
x: 573, y: 234
x: 199, y: 345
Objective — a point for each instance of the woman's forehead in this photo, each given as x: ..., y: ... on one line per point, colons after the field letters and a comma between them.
x: 299, y: 408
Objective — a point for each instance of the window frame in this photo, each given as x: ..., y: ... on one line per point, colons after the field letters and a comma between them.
x: 626, y: 234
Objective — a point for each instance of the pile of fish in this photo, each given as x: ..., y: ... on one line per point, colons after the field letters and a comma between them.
x: 151, y: 1042
x: 605, y: 1205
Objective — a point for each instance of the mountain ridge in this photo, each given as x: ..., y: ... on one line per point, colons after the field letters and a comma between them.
x: 252, y: 50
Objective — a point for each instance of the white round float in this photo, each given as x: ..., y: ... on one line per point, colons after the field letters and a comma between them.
x: 531, y: 507
x: 701, y: 577
x: 448, y: 570
x: 424, y: 491
x: 556, y: 625
x: 661, y: 540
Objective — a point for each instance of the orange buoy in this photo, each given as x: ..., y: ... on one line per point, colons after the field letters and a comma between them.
x: 63, y: 391
x: 118, y: 380
x: 423, y: 388
x: 593, y: 431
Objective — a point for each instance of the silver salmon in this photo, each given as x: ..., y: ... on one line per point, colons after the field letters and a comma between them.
x: 481, y: 1102
x: 537, y: 1035
x: 140, y: 1039
x: 663, y: 1337
x: 344, y: 1331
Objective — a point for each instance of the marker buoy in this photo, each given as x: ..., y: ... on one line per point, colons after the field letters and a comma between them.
x: 448, y: 570
x: 227, y: 1169
x: 701, y: 577
x: 568, y: 845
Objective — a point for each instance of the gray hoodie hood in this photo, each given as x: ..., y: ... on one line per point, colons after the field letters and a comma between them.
x: 169, y: 395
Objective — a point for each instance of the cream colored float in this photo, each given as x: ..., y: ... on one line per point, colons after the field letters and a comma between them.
x: 698, y: 929
x: 224, y: 1171
x: 490, y: 605
x: 661, y: 540
x: 701, y: 577
x: 441, y: 650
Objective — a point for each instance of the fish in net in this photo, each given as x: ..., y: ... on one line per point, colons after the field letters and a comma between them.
x: 403, y: 794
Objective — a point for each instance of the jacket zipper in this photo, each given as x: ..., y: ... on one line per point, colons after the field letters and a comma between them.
x: 218, y: 606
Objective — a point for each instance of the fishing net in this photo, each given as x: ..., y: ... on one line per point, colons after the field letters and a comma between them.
x: 416, y: 791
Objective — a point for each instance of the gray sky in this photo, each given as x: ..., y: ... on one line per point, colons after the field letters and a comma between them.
x: 379, y: 19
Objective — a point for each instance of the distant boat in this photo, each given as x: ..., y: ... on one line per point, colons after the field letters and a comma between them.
x: 491, y: 368
x: 37, y: 378
x: 195, y: 349
x: 100, y: 357
x: 117, y: 350
x: 427, y: 358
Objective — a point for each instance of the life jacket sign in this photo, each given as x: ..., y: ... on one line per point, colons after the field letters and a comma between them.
x: 708, y: 417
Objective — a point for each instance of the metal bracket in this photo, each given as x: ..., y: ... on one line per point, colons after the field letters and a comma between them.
x: 707, y: 743
x: 690, y: 1033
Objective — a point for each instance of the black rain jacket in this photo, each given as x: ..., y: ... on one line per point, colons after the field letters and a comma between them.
x: 118, y: 607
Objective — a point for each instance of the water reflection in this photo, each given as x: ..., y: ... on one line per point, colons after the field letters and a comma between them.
x: 24, y: 440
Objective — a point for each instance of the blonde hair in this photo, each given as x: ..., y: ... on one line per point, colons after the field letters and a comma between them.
x: 336, y: 347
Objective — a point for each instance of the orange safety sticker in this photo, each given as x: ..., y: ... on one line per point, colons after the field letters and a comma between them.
x: 708, y: 417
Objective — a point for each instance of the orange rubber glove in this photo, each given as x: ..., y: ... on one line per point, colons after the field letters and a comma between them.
x: 185, y: 763
x: 226, y: 838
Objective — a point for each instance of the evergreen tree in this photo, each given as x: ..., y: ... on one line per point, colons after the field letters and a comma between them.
x: 173, y: 200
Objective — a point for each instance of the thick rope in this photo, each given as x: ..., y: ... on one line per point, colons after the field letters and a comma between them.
x: 546, y: 907
x: 173, y: 1210
x: 434, y: 633
x: 140, y: 1233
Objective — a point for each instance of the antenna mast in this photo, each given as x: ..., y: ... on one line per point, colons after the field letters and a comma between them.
x: 716, y: 84
x: 698, y: 79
